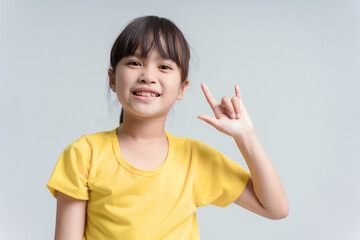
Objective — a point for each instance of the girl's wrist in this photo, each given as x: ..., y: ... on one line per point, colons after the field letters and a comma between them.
x: 243, y: 136
x: 246, y: 141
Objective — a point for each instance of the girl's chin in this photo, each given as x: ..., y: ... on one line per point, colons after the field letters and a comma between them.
x: 146, y: 115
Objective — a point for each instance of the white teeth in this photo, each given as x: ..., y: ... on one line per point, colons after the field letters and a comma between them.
x: 146, y: 94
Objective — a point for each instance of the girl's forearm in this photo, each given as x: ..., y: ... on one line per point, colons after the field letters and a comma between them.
x: 232, y: 118
x: 266, y: 183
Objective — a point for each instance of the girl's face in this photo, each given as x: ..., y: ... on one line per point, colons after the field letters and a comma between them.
x: 147, y: 87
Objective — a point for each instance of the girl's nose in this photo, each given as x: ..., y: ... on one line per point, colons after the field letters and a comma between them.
x: 148, y: 76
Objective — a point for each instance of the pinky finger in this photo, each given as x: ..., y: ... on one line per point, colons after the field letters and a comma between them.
x: 236, y: 102
x: 237, y: 91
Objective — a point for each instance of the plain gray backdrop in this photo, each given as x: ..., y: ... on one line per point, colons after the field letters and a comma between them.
x: 297, y: 64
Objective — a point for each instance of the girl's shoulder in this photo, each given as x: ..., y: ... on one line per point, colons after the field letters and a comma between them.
x: 101, y: 136
x: 193, y: 144
x: 93, y: 140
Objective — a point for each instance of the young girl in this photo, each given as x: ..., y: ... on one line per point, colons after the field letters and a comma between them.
x: 138, y: 181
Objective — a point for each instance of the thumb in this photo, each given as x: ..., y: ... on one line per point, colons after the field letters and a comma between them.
x: 210, y: 120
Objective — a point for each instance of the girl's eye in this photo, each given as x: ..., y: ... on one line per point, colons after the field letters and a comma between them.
x: 164, y: 67
x: 134, y: 63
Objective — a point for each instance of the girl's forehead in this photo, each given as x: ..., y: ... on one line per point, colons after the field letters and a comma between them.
x: 151, y: 46
x: 152, y: 53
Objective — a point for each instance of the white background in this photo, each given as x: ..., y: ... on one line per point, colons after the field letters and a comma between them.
x: 297, y: 64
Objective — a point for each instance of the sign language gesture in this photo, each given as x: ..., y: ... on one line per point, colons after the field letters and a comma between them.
x: 231, y: 116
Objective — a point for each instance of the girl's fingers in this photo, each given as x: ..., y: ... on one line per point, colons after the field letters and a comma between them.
x: 238, y: 94
x: 210, y: 120
x: 237, y: 106
x: 237, y: 91
x: 210, y: 99
x: 227, y: 105
x: 232, y: 108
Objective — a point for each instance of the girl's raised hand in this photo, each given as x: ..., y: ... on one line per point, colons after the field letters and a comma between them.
x: 231, y: 116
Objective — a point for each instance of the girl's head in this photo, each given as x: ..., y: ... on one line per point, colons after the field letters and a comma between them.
x: 145, y: 34
x: 152, y: 32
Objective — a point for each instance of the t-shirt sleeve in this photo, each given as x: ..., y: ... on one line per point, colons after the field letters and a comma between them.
x: 220, y: 180
x: 70, y: 175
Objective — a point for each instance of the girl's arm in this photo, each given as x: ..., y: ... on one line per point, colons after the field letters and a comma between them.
x: 264, y: 193
x: 70, y: 218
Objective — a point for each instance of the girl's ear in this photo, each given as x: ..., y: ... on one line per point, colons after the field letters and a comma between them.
x: 112, y: 79
x: 182, y: 90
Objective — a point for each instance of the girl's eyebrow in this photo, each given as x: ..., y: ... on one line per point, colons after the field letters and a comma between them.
x: 137, y: 54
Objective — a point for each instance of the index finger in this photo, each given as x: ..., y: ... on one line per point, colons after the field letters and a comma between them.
x: 211, y: 100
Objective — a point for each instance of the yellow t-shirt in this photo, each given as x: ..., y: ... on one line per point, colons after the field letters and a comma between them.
x: 126, y: 202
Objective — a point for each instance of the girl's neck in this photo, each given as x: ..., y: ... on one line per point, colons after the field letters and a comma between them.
x: 142, y: 129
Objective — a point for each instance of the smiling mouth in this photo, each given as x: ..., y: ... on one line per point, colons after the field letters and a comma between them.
x: 146, y: 94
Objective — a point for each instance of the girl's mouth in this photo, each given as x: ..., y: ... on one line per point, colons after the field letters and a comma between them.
x: 145, y: 94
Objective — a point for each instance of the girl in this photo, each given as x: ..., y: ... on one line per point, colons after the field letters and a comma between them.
x: 137, y: 181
